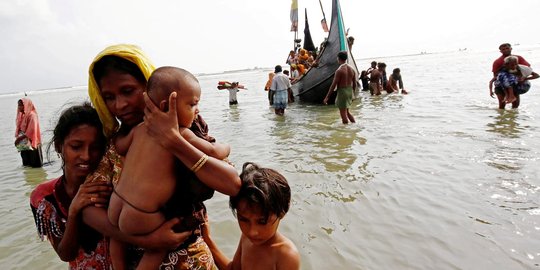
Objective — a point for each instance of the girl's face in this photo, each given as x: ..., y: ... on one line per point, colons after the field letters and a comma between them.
x: 254, y: 225
x: 81, y: 152
x: 187, y: 104
x: 123, y: 95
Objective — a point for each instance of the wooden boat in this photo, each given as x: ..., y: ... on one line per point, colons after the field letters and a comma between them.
x: 313, y: 86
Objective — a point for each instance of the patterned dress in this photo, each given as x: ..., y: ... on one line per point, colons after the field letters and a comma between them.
x: 186, y: 204
x: 50, y: 203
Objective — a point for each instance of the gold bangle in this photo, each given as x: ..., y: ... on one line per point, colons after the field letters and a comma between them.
x: 201, y: 164
x: 197, y: 166
x: 198, y: 162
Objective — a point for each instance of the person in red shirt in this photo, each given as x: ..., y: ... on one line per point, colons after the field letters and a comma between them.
x: 498, y: 64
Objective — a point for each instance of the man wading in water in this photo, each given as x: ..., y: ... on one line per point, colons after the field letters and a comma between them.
x: 345, y: 80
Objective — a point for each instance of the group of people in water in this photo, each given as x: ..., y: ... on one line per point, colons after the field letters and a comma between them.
x: 138, y: 164
x: 375, y: 79
x: 112, y: 207
x: 346, y: 81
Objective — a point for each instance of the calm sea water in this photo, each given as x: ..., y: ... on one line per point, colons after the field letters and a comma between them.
x: 437, y: 179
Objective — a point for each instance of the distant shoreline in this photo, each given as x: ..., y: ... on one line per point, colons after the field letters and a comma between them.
x: 369, y: 58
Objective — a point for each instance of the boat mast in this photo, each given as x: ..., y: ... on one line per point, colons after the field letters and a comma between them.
x: 294, y: 24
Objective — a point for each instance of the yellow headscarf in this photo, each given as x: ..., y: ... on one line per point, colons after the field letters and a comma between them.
x: 129, y: 52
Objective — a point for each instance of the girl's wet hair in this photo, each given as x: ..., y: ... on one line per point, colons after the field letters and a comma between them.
x: 110, y: 63
x: 71, y: 118
x: 263, y: 188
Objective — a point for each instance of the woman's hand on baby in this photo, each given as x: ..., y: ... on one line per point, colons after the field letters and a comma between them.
x: 162, y: 124
x: 94, y: 193
x: 165, y: 237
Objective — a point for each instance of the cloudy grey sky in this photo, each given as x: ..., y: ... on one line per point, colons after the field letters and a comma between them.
x: 50, y: 43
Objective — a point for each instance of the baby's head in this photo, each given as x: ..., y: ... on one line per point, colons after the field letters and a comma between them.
x: 263, y: 190
x: 166, y: 80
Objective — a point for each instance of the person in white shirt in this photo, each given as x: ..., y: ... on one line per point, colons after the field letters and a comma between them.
x: 232, y: 93
x: 280, y: 85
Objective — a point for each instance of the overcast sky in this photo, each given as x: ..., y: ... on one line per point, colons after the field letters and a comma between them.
x: 50, y: 43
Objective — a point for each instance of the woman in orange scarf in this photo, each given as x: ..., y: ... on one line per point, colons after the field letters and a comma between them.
x: 28, y: 134
x: 267, y: 88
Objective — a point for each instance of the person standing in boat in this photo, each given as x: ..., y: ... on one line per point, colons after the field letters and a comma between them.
x: 345, y: 83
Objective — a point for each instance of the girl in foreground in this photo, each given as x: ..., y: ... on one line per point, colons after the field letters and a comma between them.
x: 57, y: 204
x: 262, y: 202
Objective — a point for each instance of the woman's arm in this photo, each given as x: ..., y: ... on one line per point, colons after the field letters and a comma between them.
x: 67, y: 247
x: 165, y: 126
x: 162, y: 238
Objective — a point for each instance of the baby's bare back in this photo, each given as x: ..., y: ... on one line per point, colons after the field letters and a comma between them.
x: 147, y: 182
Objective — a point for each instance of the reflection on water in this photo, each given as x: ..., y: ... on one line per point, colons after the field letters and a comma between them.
x: 505, y: 124
x: 34, y: 176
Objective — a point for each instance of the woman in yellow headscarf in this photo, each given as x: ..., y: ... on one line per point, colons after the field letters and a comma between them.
x: 117, y: 81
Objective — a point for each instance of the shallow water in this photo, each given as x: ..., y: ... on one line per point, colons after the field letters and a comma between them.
x: 438, y: 179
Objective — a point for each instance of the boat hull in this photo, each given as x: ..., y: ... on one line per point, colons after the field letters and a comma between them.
x: 314, y: 85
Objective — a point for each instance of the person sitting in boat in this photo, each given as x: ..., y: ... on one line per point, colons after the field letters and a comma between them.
x: 303, y: 57
x: 315, y: 58
x: 310, y: 59
x: 301, y: 69
x: 291, y: 59
x: 295, y: 75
